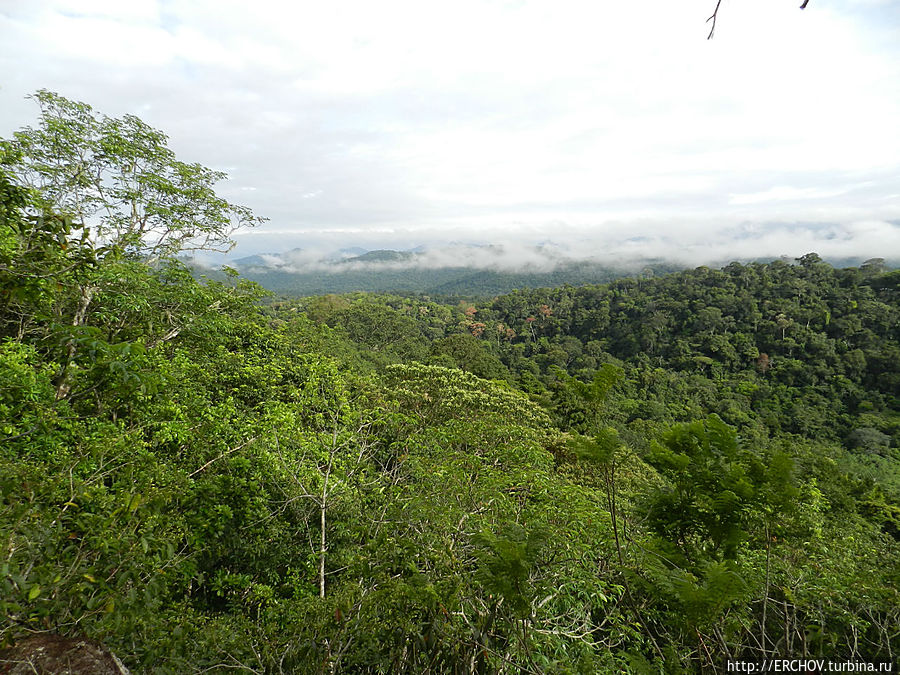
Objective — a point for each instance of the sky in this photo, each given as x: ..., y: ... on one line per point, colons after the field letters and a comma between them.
x: 597, y: 128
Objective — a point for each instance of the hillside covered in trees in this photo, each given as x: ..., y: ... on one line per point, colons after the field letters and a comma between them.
x: 417, y: 273
x: 647, y: 476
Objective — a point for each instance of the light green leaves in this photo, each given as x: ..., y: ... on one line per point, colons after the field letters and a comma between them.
x: 120, y: 174
x: 599, y: 448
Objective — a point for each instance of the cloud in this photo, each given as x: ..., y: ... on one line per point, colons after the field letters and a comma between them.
x: 784, y: 193
x: 402, y: 123
x: 613, y: 246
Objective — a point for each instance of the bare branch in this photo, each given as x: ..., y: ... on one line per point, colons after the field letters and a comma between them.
x: 712, y: 18
x: 715, y: 14
x: 223, y: 455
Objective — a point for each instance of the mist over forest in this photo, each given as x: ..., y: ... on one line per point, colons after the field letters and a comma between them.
x: 454, y: 269
x: 677, y: 245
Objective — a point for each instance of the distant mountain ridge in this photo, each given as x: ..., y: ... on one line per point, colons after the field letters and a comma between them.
x: 381, y: 255
x: 459, y: 270
x: 464, y: 270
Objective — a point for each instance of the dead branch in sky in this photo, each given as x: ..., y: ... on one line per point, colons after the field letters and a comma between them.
x: 715, y: 14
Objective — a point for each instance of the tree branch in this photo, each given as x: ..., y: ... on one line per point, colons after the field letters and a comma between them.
x: 712, y: 18
x: 715, y: 14
x: 223, y: 455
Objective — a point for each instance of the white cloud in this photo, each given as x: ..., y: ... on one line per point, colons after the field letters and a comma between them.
x: 784, y: 193
x: 612, y: 246
x: 480, y: 120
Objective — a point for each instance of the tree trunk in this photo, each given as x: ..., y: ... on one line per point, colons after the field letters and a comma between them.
x: 87, y: 294
x: 766, y: 593
x: 322, y: 549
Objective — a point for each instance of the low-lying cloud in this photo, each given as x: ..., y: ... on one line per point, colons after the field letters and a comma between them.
x: 616, y: 131
x: 612, y: 246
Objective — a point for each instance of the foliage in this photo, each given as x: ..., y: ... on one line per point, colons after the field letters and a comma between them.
x: 119, y: 176
x: 648, y: 476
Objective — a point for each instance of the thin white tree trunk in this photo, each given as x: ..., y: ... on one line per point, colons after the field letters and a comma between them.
x: 322, y: 548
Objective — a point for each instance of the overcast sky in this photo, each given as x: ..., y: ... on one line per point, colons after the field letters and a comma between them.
x: 603, y: 127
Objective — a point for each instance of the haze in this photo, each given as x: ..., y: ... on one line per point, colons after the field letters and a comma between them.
x: 600, y: 129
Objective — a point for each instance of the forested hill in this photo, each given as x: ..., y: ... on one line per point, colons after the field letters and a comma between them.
x: 648, y: 476
x: 404, y: 273
x: 803, y: 347
x: 398, y: 272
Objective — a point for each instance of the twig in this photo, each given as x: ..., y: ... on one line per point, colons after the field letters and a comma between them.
x: 716, y: 13
x: 713, y: 19
x: 224, y: 454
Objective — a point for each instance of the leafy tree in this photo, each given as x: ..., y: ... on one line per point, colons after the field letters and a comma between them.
x: 118, y: 176
x: 470, y: 354
x: 714, y: 484
x: 869, y: 440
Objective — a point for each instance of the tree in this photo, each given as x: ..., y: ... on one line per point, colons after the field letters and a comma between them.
x: 486, y: 552
x: 117, y: 176
x: 714, y: 481
x: 90, y: 198
x: 324, y: 449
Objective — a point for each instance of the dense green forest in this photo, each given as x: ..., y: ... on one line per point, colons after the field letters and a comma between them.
x: 646, y: 476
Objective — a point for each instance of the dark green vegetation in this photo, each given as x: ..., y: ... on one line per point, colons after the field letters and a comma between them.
x: 648, y: 476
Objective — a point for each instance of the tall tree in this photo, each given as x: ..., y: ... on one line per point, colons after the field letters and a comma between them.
x: 118, y: 176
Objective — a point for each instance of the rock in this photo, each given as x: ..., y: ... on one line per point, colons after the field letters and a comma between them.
x: 51, y: 654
